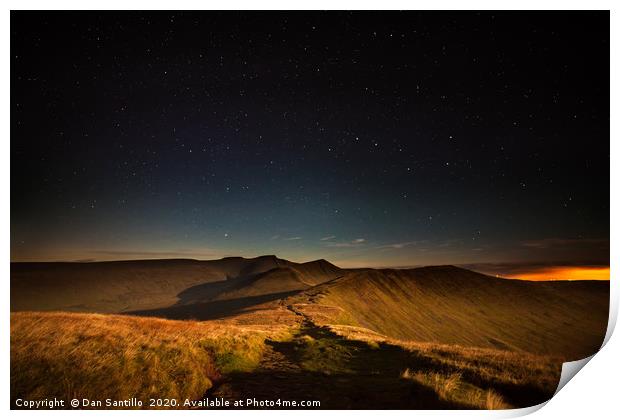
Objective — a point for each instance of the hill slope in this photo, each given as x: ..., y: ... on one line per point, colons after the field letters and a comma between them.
x: 120, y: 286
x: 443, y: 304
x: 432, y: 337
x: 122, y: 357
x: 450, y: 305
x: 69, y: 355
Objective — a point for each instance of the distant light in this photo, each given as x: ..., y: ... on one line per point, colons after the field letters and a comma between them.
x: 564, y: 273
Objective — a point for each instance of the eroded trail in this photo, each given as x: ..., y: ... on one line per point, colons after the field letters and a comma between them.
x: 318, y: 365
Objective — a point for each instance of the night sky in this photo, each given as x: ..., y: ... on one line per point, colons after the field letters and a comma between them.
x: 368, y: 139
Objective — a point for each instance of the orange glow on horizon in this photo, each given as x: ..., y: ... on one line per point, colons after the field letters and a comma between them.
x: 564, y: 273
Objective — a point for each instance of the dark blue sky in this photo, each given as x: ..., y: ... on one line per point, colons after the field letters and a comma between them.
x: 384, y: 139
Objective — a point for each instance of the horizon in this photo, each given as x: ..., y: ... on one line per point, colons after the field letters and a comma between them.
x: 536, y: 271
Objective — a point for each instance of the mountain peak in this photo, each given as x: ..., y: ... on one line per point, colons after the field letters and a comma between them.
x: 269, y: 256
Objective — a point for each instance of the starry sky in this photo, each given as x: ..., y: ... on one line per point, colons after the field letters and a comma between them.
x: 365, y: 138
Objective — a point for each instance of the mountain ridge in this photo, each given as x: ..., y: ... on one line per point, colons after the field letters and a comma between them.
x: 456, y: 306
x: 120, y: 286
x: 444, y: 304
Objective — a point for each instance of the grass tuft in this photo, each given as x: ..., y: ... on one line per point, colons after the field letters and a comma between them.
x: 495, y: 401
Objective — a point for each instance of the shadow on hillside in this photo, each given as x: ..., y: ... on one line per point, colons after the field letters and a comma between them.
x: 349, y: 374
x: 211, y: 290
x: 367, y: 378
x: 516, y: 394
x: 203, y: 311
x: 305, y: 369
x: 203, y: 292
x: 204, y: 301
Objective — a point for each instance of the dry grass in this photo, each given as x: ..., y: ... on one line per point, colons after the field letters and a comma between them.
x: 444, y: 385
x: 458, y: 307
x: 451, y: 388
x: 68, y: 355
x: 487, y: 366
x: 436, y: 337
x: 494, y: 401
x: 477, y: 377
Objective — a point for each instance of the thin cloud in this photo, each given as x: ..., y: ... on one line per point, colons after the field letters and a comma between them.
x: 399, y: 245
x: 182, y: 253
x: 547, y: 243
x: 293, y: 238
x: 350, y: 244
x: 448, y: 243
x: 328, y: 238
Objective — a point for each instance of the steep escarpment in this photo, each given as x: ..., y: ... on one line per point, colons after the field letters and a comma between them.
x: 450, y: 305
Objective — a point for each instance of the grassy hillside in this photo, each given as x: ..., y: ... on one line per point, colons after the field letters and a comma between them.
x: 470, y: 376
x: 319, y: 271
x: 294, y: 277
x: 110, y: 356
x: 124, y: 286
x: 432, y: 337
x: 278, y: 280
x: 450, y: 305
x: 108, y: 286
x: 67, y: 355
x: 443, y: 304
